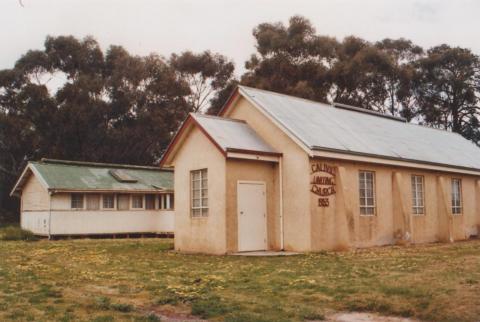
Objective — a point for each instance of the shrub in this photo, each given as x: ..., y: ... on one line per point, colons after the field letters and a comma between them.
x: 16, y: 233
x: 122, y: 307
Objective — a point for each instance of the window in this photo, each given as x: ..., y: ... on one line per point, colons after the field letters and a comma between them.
x: 456, y: 196
x: 137, y: 201
x: 123, y: 202
x: 199, y: 194
x: 150, y: 202
x: 367, y: 192
x: 108, y: 201
x: 76, y: 201
x: 418, y: 204
x: 93, y: 201
x: 166, y: 201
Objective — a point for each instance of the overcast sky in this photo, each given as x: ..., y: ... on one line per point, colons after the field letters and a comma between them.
x: 225, y: 26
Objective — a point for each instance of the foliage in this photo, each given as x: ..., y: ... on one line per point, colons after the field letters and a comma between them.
x: 142, y: 280
x: 73, y: 101
x: 206, y: 74
x: 448, y: 90
x: 10, y: 233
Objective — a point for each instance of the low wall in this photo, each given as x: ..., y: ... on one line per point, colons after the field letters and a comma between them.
x: 99, y: 222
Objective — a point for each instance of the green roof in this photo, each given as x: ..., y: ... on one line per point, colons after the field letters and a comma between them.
x: 72, y: 175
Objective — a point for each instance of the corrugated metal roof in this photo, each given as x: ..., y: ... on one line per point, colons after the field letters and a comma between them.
x: 231, y: 134
x: 68, y: 175
x: 322, y: 126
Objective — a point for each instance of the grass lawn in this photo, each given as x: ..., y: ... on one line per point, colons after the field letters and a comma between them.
x: 126, y: 280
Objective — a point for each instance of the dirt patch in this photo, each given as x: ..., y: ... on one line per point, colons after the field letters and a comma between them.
x: 168, y: 313
x: 364, y: 317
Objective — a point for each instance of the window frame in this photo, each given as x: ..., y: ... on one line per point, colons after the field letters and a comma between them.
x: 203, y: 210
x: 114, y: 206
x: 415, y: 195
x: 132, y: 198
x: 456, y: 210
x: 90, y: 195
x: 365, y: 206
x: 129, y: 202
x: 71, y: 201
x: 152, y: 195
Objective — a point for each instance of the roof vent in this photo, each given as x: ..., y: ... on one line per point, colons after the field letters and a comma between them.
x: 365, y: 111
x: 122, y: 176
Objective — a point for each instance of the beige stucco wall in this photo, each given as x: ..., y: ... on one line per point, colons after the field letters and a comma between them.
x: 295, y: 163
x: 206, y: 234
x: 384, y: 227
x: 246, y: 170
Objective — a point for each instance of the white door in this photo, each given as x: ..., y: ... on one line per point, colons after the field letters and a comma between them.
x: 252, y: 215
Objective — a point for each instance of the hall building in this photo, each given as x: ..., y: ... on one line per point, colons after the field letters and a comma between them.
x: 276, y: 172
x: 72, y: 198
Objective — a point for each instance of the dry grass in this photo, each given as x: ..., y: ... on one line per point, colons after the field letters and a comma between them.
x: 126, y: 280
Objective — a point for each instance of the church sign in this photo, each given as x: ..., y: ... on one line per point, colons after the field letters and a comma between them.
x: 322, y: 182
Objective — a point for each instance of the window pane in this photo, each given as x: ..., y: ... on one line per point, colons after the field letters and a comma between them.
x: 204, y: 202
x: 196, y: 194
x: 367, y: 192
x: 76, y: 201
x: 150, y: 201
x: 137, y: 201
x: 108, y: 201
x: 123, y: 202
x: 195, y: 185
x: 199, y: 193
x: 456, y: 196
x: 196, y: 203
x: 93, y: 202
x: 196, y: 175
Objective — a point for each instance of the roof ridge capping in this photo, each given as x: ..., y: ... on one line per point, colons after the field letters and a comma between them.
x: 102, y: 165
x: 365, y: 111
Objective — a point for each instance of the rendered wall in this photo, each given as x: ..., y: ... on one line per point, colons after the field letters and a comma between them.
x: 394, y: 220
x: 247, y: 170
x: 203, y: 234
x: 295, y: 164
